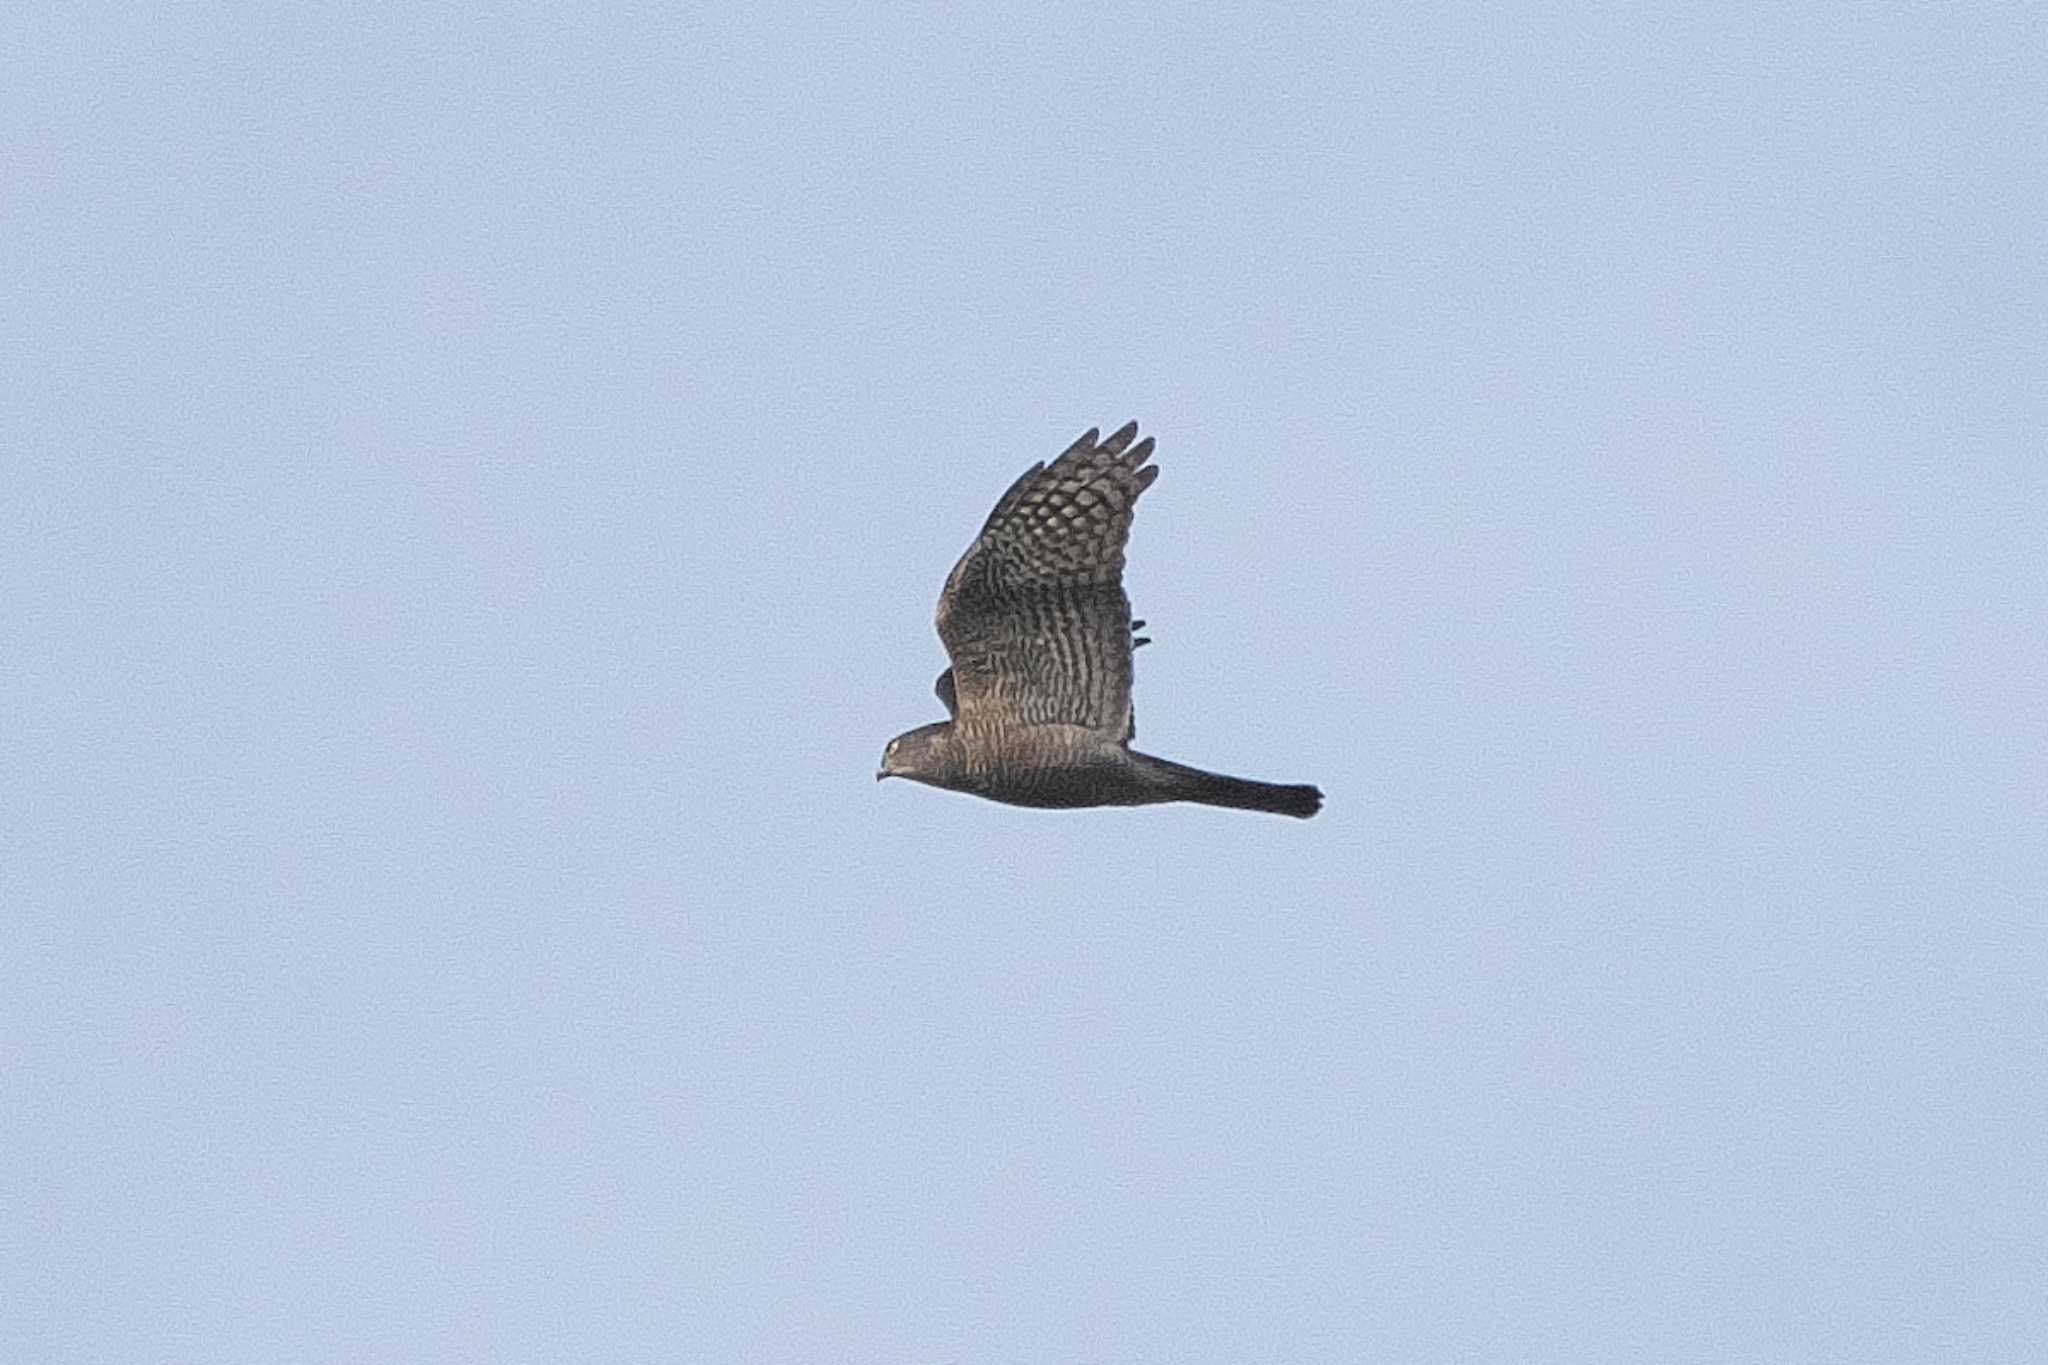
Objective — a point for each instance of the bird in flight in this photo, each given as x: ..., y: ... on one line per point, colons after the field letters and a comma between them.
x: 1040, y: 635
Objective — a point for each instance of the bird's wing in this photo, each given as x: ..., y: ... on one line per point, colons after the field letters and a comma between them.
x: 1034, y: 614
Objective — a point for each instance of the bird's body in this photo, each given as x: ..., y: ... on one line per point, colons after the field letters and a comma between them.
x: 1040, y: 633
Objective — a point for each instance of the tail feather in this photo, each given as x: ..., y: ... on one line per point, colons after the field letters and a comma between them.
x: 1178, y: 782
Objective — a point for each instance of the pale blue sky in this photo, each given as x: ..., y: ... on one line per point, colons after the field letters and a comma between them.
x: 476, y: 491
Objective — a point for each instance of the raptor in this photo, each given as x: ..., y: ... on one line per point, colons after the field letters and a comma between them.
x: 1039, y: 631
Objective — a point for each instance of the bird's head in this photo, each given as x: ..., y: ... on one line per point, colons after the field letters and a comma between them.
x: 916, y: 753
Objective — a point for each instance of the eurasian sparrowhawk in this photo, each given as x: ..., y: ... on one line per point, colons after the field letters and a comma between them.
x: 1040, y: 633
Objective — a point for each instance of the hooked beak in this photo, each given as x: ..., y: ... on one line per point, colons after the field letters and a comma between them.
x: 882, y: 774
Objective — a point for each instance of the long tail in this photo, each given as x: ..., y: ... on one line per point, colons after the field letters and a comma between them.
x: 1178, y: 782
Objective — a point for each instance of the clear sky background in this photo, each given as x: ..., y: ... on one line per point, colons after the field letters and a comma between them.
x: 476, y: 486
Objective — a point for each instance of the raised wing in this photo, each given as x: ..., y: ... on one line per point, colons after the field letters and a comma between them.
x: 1034, y: 614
